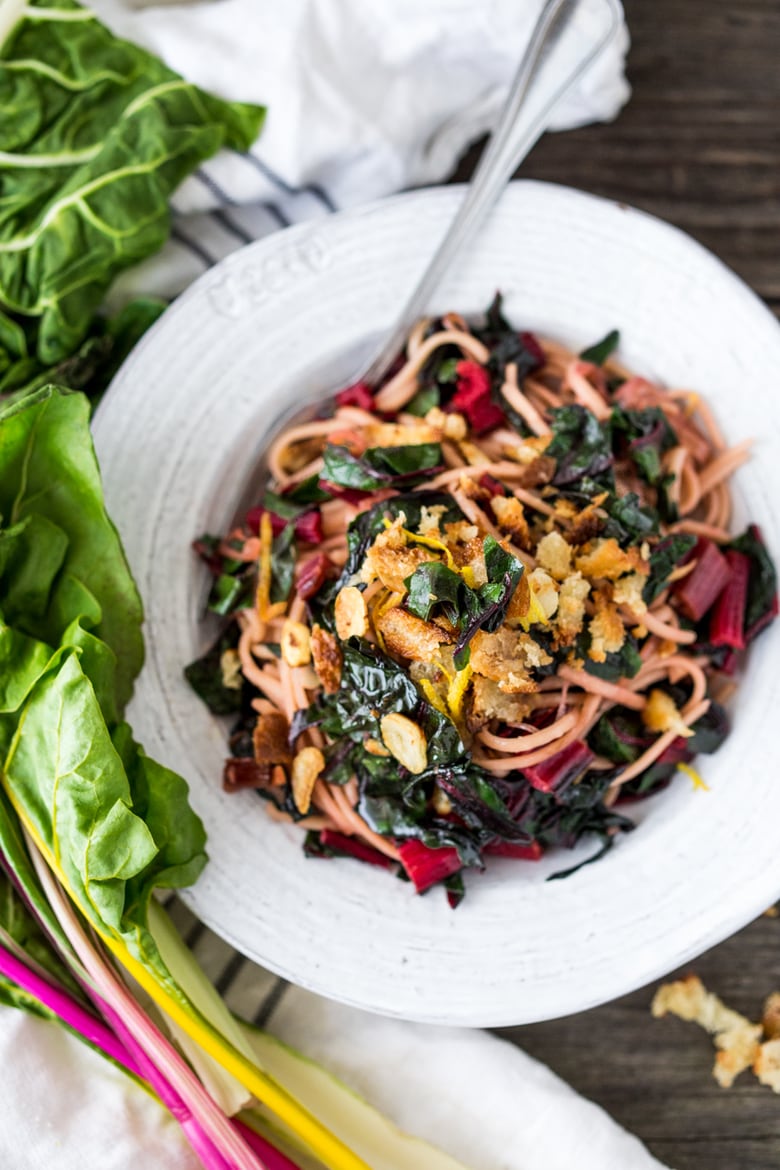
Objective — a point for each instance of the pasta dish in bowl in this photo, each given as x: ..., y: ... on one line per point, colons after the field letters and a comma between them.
x: 483, y: 606
x: 184, y: 437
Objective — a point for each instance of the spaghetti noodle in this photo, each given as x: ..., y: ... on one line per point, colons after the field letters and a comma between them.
x: 482, y: 604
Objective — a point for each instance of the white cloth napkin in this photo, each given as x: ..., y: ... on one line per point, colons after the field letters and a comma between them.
x: 479, y: 1098
x: 364, y: 98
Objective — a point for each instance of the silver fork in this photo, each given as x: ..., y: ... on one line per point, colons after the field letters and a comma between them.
x: 554, y: 50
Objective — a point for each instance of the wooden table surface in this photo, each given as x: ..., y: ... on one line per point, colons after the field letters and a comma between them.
x: 699, y: 146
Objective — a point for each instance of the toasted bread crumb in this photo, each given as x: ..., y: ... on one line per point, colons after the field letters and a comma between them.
x: 270, y: 739
x: 735, y: 1036
x: 306, y: 768
x: 351, y: 613
x: 327, y: 658
x: 554, y: 554
x: 409, y: 636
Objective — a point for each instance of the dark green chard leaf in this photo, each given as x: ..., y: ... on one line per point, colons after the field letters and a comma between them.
x: 125, y: 136
x: 283, y: 564
x: 648, y: 435
x: 365, y: 528
x: 582, y: 447
x: 505, y: 344
x: 372, y: 685
x: 761, y: 605
x: 94, y: 363
x: 436, y: 380
x: 394, y: 801
x: 282, y: 506
x: 380, y: 466
x: 623, y: 663
x: 423, y: 401
x: 308, y: 491
x: 456, y: 890
x: 486, y: 607
x: 629, y: 522
x: 620, y: 736
x: 602, y: 350
x: 206, y: 678
x: 294, y: 503
x: 664, y: 558
x: 230, y: 592
x: 579, y: 812
x: 478, y: 804
x: 709, y: 731
x: 434, y: 586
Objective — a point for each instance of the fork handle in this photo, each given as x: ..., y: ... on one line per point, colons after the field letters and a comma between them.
x: 556, y: 50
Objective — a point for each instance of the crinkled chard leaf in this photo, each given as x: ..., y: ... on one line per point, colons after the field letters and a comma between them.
x: 115, y: 131
x: 582, y: 447
x: 647, y: 435
x: 380, y: 466
x: 664, y: 558
x: 761, y: 604
x: 600, y: 351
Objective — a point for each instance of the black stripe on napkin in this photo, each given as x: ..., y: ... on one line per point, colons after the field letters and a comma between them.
x: 312, y: 188
x: 192, y: 246
x: 271, y: 1002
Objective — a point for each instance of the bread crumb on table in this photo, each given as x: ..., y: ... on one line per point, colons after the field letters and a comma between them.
x: 741, y: 1044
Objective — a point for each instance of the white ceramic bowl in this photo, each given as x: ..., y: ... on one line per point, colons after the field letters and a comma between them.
x: 178, y: 438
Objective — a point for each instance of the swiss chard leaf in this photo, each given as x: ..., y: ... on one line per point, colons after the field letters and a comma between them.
x: 623, y: 663
x: 282, y: 506
x: 20, y: 931
x: 434, y: 586
x: 92, y: 366
x: 76, y: 790
x: 486, y: 607
x: 423, y: 401
x: 620, y: 736
x: 305, y: 493
x: 761, y: 604
x: 505, y: 344
x: 394, y: 801
x: 600, y: 351
x: 582, y: 447
x: 50, y: 471
x: 647, y: 435
x: 436, y: 380
x: 365, y: 528
x: 380, y: 466
x: 32, y: 553
x: 629, y: 522
x: 664, y: 558
x: 124, y: 131
x: 283, y: 564
x: 205, y: 676
x: 580, y: 812
x: 230, y: 592
x: 709, y: 731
